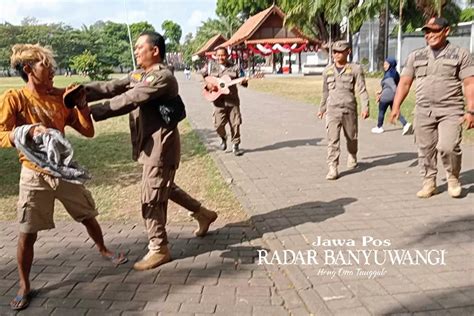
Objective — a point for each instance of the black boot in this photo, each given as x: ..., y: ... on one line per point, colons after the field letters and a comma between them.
x: 236, y: 150
x: 223, y: 145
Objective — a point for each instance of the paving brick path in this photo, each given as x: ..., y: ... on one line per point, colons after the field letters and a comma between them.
x: 280, y: 182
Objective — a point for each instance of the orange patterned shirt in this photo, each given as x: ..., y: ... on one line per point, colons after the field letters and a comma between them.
x: 23, y: 106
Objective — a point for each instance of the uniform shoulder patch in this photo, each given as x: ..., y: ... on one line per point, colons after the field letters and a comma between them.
x: 150, y: 78
x: 154, y: 76
x: 136, y: 76
x: 329, y: 70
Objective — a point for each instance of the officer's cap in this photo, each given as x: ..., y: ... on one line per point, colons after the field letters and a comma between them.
x: 340, y: 46
x: 435, y: 24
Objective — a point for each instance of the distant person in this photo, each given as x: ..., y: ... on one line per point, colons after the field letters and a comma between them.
x: 385, y: 97
x: 340, y: 82
x: 441, y: 70
x: 227, y: 106
x: 187, y: 73
x: 39, y: 107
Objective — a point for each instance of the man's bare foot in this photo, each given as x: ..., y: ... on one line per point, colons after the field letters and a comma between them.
x: 22, y: 299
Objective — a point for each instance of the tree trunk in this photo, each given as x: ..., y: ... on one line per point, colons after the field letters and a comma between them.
x: 380, y: 50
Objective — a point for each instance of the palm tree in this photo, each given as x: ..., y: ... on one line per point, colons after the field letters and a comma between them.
x: 430, y: 8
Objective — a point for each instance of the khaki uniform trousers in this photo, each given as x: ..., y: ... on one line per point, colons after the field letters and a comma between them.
x: 183, y: 199
x: 347, y: 120
x: 231, y: 115
x: 156, y: 187
x: 435, y: 134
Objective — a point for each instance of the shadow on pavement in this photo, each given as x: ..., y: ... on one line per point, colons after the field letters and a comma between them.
x: 439, y: 302
x: 287, y: 144
x: 235, y: 243
x: 271, y: 222
x: 382, y: 160
x: 436, y: 235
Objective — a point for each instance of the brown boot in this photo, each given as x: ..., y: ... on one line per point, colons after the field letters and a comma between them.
x: 205, y: 218
x: 332, y: 173
x: 428, y: 189
x: 153, y: 259
x: 351, y: 162
x: 454, y: 186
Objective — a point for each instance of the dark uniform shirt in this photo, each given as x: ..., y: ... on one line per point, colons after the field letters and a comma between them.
x: 438, y: 79
x: 140, y: 94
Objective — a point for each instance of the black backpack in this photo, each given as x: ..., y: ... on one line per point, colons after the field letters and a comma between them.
x: 172, y: 111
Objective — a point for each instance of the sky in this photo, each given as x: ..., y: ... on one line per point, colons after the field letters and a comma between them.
x: 187, y: 13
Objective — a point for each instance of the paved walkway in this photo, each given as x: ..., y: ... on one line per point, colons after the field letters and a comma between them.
x: 280, y: 182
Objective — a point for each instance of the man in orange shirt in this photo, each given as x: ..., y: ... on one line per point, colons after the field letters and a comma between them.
x: 40, y: 105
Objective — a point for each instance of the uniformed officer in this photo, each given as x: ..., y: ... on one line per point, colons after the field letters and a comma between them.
x: 439, y: 69
x: 340, y: 80
x: 227, y: 106
x: 155, y: 145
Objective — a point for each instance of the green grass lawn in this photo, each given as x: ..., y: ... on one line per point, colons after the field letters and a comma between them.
x: 116, y: 178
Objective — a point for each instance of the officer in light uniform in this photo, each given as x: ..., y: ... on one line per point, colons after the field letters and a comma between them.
x: 340, y: 81
x: 439, y: 70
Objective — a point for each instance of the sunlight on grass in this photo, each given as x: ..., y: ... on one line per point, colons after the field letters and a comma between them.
x: 116, y: 177
x: 309, y: 89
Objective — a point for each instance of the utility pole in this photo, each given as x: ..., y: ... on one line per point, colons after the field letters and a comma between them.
x: 399, y: 37
x: 129, y: 35
x: 387, y: 36
x: 371, y: 47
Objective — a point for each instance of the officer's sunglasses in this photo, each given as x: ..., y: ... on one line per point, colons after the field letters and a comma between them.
x: 428, y: 31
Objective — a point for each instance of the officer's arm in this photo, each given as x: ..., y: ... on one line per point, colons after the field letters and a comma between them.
x: 362, y: 90
x: 469, y: 92
x: 99, y: 90
x: 324, y: 98
x: 133, y: 98
x: 406, y: 79
x: 466, y: 74
x: 402, y: 91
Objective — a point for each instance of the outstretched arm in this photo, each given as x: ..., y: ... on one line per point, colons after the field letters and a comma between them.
x: 99, y: 90
x: 362, y: 91
x: 133, y: 98
x: 402, y: 92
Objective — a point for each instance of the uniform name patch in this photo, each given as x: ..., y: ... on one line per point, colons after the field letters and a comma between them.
x: 150, y: 79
